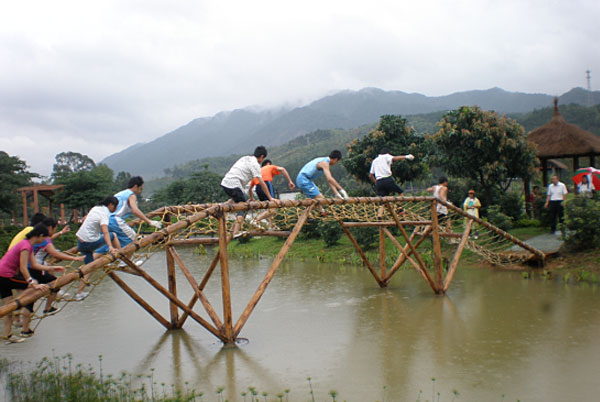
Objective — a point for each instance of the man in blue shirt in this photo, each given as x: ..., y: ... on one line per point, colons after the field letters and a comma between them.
x: 315, y: 169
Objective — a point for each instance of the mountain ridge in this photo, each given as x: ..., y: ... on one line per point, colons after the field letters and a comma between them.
x: 240, y: 130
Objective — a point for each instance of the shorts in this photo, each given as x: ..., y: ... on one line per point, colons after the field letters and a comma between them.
x: 88, y: 248
x: 41, y: 277
x: 122, y: 230
x: 387, y: 186
x: 236, y: 194
x: 307, y: 186
x: 8, y: 284
x: 261, y: 194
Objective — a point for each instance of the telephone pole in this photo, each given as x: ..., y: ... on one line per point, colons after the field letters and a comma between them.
x: 588, y: 77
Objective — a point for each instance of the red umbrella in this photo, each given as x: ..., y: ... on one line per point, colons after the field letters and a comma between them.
x: 593, y: 176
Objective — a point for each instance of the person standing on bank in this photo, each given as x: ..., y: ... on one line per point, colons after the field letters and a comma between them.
x: 556, y: 194
x: 237, y: 178
x: 381, y: 172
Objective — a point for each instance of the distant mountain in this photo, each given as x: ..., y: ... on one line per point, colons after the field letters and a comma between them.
x: 239, y: 131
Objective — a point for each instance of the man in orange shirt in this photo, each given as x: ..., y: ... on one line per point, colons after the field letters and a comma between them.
x: 268, y: 171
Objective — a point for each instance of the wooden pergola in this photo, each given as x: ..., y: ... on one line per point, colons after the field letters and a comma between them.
x: 559, y: 139
x: 45, y: 190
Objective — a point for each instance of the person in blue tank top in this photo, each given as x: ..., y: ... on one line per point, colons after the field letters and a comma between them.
x: 127, y: 206
x: 315, y: 169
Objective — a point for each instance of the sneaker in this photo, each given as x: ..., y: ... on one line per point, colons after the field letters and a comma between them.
x: 12, y: 339
x: 240, y: 234
x: 27, y: 334
x: 63, y: 293
x: 81, y: 296
x: 51, y: 311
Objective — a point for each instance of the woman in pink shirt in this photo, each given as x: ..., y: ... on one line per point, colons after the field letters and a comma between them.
x: 15, y: 261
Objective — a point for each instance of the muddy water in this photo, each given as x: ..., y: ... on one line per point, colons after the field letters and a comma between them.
x: 494, y: 334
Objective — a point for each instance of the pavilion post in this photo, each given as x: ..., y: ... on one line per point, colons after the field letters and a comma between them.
x: 24, y: 199
x: 36, y: 207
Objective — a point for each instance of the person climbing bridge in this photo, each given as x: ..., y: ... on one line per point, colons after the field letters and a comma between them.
x: 441, y: 191
x: 16, y: 261
x: 127, y: 206
x: 268, y: 171
x: 471, y: 205
x: 237, y: 178
x: 41, y: 252
x: 315, y: 169
x: 381, y: 172
x: 93, y: 234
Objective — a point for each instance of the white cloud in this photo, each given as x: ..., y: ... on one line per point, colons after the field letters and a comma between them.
x: 104, y: 75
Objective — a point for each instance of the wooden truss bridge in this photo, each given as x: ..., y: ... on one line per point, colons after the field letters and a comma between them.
x: 406, y: 221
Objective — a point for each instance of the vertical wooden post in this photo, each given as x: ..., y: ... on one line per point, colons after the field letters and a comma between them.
x: 62, y: 214
x: 24, y: 199
x: 437, y: 248
x: 382, y: 252
x: 457, y: 254
x: 227, y: 330
x: 172, y: 287
x: 36, y: 207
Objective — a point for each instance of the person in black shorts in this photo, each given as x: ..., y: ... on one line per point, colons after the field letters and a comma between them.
x: 381, y: 172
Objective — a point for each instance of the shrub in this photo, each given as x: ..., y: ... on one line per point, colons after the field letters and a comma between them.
x: 542, y: 214
x: 511, y: 205
x: 330, y: 232
x: 365, y: 236
x: 582, y: 223
x: 527, y: 223
x: 497, y: 218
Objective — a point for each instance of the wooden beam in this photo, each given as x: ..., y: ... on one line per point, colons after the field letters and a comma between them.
x: 202, y: 285
x: 172, y: 297
x: 363, y: 256
x: 172, y: 287
x: 139, y: 300
x: 437, y: 248
x: 224, y: 236
x: 457, y: 255
x: 203, y: 299
x: 423, y: 271
x: 272, y: 269
x: 382, y: 252
x: 385, y: 223
x: 403, y: 256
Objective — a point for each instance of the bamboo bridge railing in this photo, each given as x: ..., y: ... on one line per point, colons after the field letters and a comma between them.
x: 414, y: 218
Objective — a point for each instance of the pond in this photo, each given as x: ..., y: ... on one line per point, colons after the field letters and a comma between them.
x: 493, y: 334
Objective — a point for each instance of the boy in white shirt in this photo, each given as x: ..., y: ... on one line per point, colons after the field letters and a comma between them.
x: 381, y: 172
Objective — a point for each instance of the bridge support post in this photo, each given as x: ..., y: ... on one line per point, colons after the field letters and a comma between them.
x: 227, y: 329
x: 172, y: 287
x: 437, y: 248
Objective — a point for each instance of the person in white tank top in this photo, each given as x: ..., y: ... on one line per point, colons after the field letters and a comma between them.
x: 441, y: 191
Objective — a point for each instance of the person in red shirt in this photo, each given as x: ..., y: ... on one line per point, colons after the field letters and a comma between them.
x: 267, y: 171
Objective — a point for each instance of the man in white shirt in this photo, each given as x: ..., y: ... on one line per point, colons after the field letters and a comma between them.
x: 237, y: 178
x: 556, y: 194
x: 381, y: 172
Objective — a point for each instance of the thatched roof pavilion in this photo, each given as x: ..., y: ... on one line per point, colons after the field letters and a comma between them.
x: 45, y: 190
x: 559, y: 139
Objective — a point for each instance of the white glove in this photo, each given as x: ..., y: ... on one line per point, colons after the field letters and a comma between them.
x: 156, y: 224
x: 343, y: 193
x: 410, y: 157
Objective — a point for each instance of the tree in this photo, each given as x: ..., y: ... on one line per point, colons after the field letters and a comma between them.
x: 488, y: 149
x: 122, y: 180
x: 394, y: 133
x: 13, y: 174
x: 70, y: 162
x: 202, y: 187
x: 85, y: 188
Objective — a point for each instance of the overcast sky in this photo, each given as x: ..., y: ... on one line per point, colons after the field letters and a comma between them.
x: 96, y: 77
